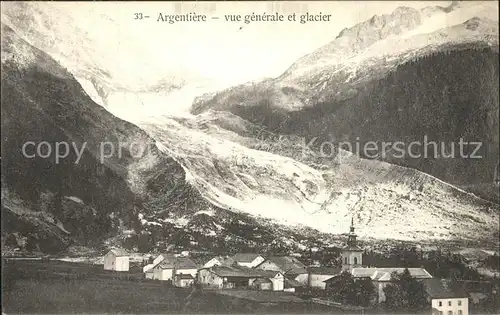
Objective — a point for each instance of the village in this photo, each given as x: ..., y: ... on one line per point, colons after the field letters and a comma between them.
x: 353, y: 284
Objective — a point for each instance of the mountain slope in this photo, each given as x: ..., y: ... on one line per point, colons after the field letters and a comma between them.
x: 235, y: 167
x: 214, y: 180
x: 370, y: 86
x: 42, y: 102
x: 92, y: 197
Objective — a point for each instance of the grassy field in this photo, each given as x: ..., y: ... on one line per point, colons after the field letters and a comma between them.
x: 263, y: 296
x: 63, y: 288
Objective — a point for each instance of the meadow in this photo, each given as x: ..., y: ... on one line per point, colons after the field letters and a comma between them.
x: 57, y: 287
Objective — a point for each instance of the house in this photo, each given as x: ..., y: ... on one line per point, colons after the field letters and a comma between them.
x: 249, y: 260
x: 170, y: 267
x: 318, y: 276
x: 219, y: 261
x: 164, y: 270
x: 117, y: 260
x: 183, y: 280
x: 290, y: 266
x: 263, y: 284
x: 381, y: 277
x: 277, y: 278
x: 185, y: 266
x: 148, y: 271
x: 446, y: 297
x: 229, y: 277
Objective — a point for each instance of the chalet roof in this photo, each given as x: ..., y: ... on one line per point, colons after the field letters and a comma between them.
x: 184, y: 263
x: 328, y: 271
x: 119, y: 252
x: 177, y: 263
x: 242, y: 272
x: 224, y: 260
x: 444, y: 289
x: 245, y: 257
x: 166, y: 264
x: 288, y: 264
x: 384, y: 274
x: 148, y: 268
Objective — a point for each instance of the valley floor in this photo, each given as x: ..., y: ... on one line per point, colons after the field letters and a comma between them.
x: 56, y: 287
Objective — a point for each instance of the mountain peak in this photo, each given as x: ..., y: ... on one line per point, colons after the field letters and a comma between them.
x: 381, y: 26
x: 362, y: 35
x: 473, y: 23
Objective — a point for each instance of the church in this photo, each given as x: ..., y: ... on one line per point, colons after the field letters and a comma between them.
x: 352, y: 255
x: 352, y: 261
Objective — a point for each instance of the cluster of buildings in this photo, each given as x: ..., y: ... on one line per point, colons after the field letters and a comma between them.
x: 286, y: 273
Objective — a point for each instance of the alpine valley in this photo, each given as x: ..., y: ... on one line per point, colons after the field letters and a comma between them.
x: 243, y: 167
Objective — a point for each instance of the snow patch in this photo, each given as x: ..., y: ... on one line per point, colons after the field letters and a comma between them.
x: 207, y: 212
x: 75, y: 199
x: 178, y: 222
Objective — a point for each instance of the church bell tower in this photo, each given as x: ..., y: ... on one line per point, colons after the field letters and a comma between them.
x: 352, y: 255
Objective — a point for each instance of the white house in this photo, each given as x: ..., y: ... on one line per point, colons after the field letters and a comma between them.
x: 278, y: 280
x: 229, y: 277
x: 148, y: 271
x: 164, y: 270
x: 446, y: 297
x: 291, y: 267
x: 213, y: 277
x: 381, y: 277
x: 249, y: 260
x: 185, y: 266
x: 149, y: 274
x: 170, y: 267
x: 318, y: 276
x: 117, y: 260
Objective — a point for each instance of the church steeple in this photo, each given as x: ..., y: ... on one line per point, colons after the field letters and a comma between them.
x: 352, y: 255
x: 351, y: 241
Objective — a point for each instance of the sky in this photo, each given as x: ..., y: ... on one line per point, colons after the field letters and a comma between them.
x: 218, y: 50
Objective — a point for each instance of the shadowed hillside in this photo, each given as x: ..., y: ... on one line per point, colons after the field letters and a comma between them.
x: 457, y: 99
x: 444, y: 96
x: 75, y: 199
x: 138, y: 201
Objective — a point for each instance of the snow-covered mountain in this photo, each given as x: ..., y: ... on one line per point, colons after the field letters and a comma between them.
x: 397, y: 77
x: 238, y: 169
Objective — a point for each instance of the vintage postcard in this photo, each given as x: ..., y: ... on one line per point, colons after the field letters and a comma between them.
x: 250, y: 157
